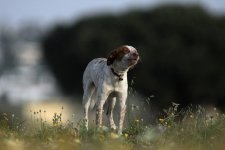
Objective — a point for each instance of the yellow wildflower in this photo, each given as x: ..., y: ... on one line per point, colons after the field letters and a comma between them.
x: 126, y: 135
x: 114, y: 135
x: 161, y: 120
x: 77, y: 141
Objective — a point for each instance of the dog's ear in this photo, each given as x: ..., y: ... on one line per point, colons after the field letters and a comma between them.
x: 112, y: 56
x: 117, y: 53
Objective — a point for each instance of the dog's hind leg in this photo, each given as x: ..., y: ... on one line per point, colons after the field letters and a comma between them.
x: 89, y: 89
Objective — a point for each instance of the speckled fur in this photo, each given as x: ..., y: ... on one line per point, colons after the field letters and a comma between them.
x: 99, y: 82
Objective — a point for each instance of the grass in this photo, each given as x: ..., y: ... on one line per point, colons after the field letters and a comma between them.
x: 188, y: 128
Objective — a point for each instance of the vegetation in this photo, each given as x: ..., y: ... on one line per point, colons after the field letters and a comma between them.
x: 189, y: 128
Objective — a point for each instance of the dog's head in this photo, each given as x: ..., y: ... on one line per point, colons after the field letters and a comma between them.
x: 125, y: 54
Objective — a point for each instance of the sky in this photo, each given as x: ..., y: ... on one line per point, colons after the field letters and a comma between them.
x: 47, y: 12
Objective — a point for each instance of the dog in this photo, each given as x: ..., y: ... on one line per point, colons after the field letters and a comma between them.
x: 106, y: 79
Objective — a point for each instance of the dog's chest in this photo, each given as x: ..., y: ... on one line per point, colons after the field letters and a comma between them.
x: 112, y: 83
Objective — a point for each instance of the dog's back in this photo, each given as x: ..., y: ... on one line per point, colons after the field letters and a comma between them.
x: 92, y: 75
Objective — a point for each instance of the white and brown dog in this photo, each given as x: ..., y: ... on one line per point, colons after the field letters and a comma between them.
x: 107, y: 79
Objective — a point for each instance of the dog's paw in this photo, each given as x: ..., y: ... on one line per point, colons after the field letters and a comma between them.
x: 85, y: 121
x: 113, y: 127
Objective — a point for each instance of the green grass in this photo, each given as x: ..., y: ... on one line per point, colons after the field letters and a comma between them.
x: 189, y: 128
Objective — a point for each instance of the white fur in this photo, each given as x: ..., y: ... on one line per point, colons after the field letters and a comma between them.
x: 100, y: 84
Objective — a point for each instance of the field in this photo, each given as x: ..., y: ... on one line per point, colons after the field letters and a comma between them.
x: 188, y: 128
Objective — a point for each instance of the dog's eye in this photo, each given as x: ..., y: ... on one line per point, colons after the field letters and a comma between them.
x: 126, y: 50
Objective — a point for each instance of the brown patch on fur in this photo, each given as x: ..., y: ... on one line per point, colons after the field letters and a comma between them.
x: 117, y: 54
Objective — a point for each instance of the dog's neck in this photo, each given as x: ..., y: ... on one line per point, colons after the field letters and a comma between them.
x: 119, y: 70
x: 120, y: 76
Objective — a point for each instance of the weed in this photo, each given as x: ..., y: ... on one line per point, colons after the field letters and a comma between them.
x: 178, y: 128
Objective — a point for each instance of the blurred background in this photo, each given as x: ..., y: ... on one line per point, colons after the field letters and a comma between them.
x: 46, y: 45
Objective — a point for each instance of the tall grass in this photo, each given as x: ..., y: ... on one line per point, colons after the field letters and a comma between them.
x: 188, y: 128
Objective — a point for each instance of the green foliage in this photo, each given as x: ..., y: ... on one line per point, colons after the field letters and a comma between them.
x: 187, y: 128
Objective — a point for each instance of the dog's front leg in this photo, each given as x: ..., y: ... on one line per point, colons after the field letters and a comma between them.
x: 112, y: 103
x: 122, y: 99
x: 101, y: 98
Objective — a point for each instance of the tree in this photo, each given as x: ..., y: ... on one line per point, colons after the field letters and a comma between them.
x: 181, y: 48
